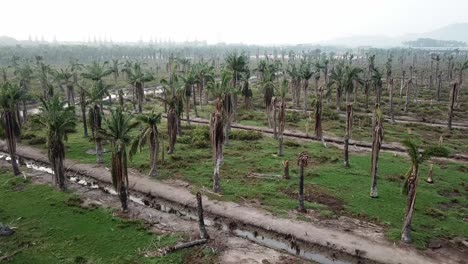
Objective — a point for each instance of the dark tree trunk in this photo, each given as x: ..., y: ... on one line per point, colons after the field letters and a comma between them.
x: 201, y: 221
x: 411, y: 201
x: 83, y: 112
x: 452, y: 104
x: 11, y: 140
x: 318, y: 115
x: 349, y: 122
x: 377, y: 137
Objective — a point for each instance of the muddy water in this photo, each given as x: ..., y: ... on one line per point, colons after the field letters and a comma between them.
x: 261, y: 237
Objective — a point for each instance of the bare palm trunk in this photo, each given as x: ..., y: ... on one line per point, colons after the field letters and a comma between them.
x: 172, y: 125
x: 83, y: 112
x: 377, y: 137
x: 439, y: 86
x: 318, y: 115
x: 194, y: 94
x: 452, y: 104
x: 349, y: 122
x: 411, y: 201
x: 56, y: 155
x: 302, y: 162
x: 282, y: 122
x: 390, y: 92
x: 217, y: 139
x: 154, y: 150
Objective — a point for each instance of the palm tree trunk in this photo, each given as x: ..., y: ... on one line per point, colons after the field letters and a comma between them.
x: 318, y: 115
x: 349, y: 121
x: 187, y: 109
x: 11, y: 140
x: 97, y: 139
x: 83, y: 111
x: 301, y: 188
x: 172, y: 124
x: 376, y: 144
x: 154, y: 150
x: 25, y: 111
x: 306, y: 87
x: 194, y: 94
x: 452, y: 104
x: 439, y: 86
x: 57, y: 155
x: 390, y: 91
x: 411, y: 201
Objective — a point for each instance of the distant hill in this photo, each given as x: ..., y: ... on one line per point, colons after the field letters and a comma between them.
x: 429, y: 42
x: 452, y: 32
x: 7, y: 41
x: 457, y: 32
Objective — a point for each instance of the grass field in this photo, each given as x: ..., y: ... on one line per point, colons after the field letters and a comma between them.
x: 331, y: 190
x: 53, y: 228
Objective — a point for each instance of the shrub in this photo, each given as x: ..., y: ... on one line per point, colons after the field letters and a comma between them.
x: 293, y: 117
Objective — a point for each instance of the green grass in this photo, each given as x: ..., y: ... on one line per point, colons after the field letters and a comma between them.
x: 440, y: 208
x: 52, y: 228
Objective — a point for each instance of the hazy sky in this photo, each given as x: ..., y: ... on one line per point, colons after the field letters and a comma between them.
x: 247, y: 21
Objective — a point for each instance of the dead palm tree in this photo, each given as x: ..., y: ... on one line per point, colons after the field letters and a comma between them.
x: 117, y: 130
x: 10, y: 96
x: 149, y: 135
x: 58, y: 121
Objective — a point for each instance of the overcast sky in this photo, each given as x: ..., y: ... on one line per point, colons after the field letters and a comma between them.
x: 233, y: 21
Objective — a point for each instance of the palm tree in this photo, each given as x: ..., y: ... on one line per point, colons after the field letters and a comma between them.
x: 377, y: 138
x: 64, y: 78
x: 217, y: 138
x: 282, y: 115
x: 268, y: 86
x: 10, y: 96
x: 149, y: 135
x: 350, y: 78
x: 174, y: 100
x: 336, y: 79
x: 318, y: 114
x: 189, y: 81
x: 75, y: 69
x: 117, y: 130
x: 115, y: 69
x: 377, y: 81
x: 58, y: 121
x: 137, y: 78
x: 25, y: 74
x: 237, y: 64
x: 307, y: 73
x: 461, y: 67
x: 96, y: 72
x: 409, y: 188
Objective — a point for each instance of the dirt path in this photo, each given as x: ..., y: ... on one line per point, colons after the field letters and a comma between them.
x: 339, y: 244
